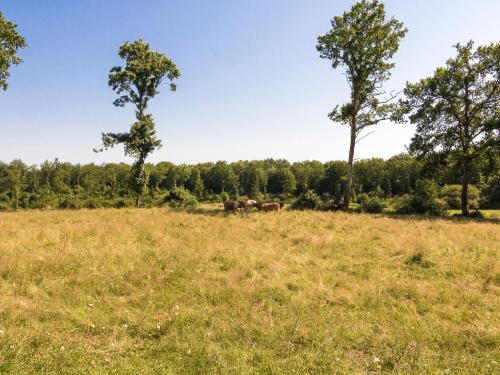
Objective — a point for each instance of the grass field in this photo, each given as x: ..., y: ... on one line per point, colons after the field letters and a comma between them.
x: 153, y: 291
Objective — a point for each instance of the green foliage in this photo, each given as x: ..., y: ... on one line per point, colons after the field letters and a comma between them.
x: 195, y: 183
x: 402, y: 205
x: 452, y: 195
x: 143, y: 73
x: 425, y: 200
x: 456, y: 111
x: 63, y: 185
x: 363, y: 41
x: 137, y: 83
x: 372, y: 204
x: 10, y: 43
x: 307, y: 201
x: 254, y: 186
x: 490, y: 195
x: 179, y: 197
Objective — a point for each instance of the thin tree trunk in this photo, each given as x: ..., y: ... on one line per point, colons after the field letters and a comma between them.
x: 348, y: 191
x: 465, y: 188
x: 139, y: 180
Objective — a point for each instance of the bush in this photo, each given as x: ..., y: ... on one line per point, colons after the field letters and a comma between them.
x: 179, y: 197
x: 69, y: 203
x: 224, y: 197
x: 123, y: 203
x: 307, y: 201
x: 425, y: 200
x: 372, y: 205
x: 452, y: 195
x: 403, y: 206
x: 92, y: 203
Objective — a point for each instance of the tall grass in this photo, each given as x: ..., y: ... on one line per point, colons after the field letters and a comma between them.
x: 156, y: 291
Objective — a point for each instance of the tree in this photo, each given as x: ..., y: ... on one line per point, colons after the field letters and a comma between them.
x: 254, y: 184
x: 10, y: 43
x: 195, y: 183
x: 362, y: 41
x: 456, y: 111
x: 137, y: 83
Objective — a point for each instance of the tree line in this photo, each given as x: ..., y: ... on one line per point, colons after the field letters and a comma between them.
x: 456, y: 112
x: 64, y: 185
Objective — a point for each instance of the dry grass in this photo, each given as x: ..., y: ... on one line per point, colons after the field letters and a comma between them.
x: 162, y: 292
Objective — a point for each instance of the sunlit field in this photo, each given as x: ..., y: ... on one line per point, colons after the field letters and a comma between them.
x: 156, y: 291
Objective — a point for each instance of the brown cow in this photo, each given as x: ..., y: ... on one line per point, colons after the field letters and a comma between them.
x: 270, y: 207
x: 282, y: 204
x: 231, y: 206
x: 242, y: 204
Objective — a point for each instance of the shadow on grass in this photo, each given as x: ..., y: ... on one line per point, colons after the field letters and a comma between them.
x: 456, y: 219
x: 212, y: 212
x: 219, y: 212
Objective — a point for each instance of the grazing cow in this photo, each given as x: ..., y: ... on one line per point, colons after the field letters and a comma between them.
x: 231, y: 206
x: 242, y: 204
x: 270, y: 207
x: 251, y: 203
x: 282, y: 204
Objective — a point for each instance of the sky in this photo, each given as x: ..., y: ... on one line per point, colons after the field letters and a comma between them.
x: 252, y: 85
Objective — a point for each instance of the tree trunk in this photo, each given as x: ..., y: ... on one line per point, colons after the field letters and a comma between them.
x: 465, y: 188
x: 140, y: 179
x: 348, y: 191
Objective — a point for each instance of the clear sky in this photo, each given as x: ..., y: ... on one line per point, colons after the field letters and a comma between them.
x: 252, y: 83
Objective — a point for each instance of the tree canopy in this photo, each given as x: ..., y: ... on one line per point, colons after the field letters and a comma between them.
x: 10, y: 43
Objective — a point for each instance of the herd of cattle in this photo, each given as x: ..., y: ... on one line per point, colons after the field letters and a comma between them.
x: 248, y: 205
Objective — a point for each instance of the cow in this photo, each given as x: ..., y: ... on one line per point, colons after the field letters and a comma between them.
x: 282, y: 204
x: 242, y: 204
x: 270, y: 207
x: 231, y: 206
x: 251, y: 203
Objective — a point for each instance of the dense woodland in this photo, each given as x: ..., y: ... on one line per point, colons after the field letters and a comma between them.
x: 65, y: 185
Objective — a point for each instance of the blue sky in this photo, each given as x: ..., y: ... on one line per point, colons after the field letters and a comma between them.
x: 252, y: 84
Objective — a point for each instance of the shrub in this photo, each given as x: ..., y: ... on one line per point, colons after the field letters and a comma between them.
x: 69, y: 202
x: 179, y: 197
x: 224, y: 197
x: 307, y: 201
x: 373, y: 205
x: 92, y: 203
x: 123, y: 203
x: 452, y: 195
x: 425, y: 199
x: 403, y: 206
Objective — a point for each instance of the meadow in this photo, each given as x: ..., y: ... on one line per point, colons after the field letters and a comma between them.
x: 163, y: 291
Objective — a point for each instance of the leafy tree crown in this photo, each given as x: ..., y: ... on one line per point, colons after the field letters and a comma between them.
x: 10, y: 43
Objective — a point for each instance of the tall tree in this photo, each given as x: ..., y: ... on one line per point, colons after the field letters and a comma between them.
x: 362, y: 40
x: 137, y: 83
x: 10, y: 43
x: 457, y: 110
